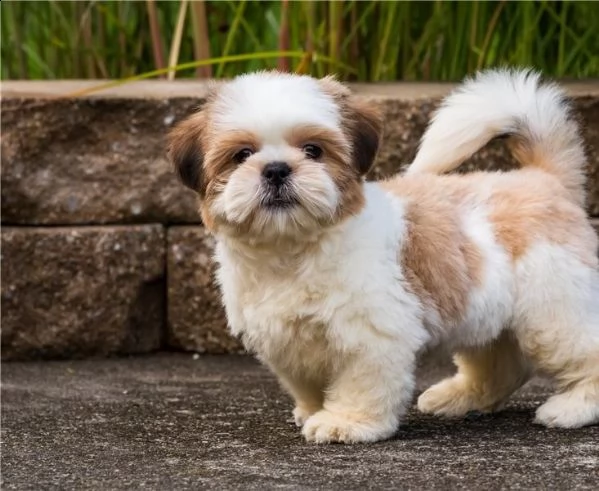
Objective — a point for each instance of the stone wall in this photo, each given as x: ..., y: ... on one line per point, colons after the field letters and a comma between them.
x: 103, y: 252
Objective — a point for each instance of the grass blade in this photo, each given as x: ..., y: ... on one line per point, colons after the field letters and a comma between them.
x: 283, y: 63
x: 490, y: 31
x: 176, y: 42
x: 231, y: 35
x: 201, y: 39
x: 155, y: 34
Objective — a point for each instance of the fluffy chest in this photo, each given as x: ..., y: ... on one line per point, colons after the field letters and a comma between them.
x: 287, y: 320
x: 290, y: 299
x: 300, y: 308
x: 346, y: 288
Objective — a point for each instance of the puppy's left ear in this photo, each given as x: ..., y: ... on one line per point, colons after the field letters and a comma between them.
x: 364, y: 122
x: 186, y: 153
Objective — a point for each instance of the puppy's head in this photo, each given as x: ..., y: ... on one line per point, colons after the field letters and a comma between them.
x: 277, y: 155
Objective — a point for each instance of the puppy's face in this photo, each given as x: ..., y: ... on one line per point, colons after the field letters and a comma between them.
x: 276, y: 155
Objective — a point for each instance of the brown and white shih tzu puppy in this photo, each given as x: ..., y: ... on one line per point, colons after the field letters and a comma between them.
x: 337, y: 284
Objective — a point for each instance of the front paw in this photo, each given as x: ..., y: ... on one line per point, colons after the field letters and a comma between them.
x: 301, y: 414
x: 329, y: 427
x: 447, y: 398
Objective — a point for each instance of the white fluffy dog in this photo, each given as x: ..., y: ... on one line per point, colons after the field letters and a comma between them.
x: 338, y: 284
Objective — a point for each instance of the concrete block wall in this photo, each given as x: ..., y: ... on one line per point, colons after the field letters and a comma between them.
x: 103, y: 252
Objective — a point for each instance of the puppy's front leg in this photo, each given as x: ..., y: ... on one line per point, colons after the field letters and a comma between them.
x: 307, y: 394
x: 366, y: 398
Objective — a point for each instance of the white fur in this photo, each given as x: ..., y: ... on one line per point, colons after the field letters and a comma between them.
x: 557, y: 322
x: 269, y: 104
x: 489, y: 308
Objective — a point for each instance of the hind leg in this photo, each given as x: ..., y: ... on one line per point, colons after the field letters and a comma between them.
x: 486, y: 377
x: 574, y: 364
x: 558, y: 327
x: 574, y: 407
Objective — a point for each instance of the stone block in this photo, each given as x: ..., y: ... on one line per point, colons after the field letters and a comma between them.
x: 91, y: 161
x: 76, y: 292
x: 196, y: 317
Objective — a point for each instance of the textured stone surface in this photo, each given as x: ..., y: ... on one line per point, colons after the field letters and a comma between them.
x: 88, y: 161
x: 171, y: 422
x: 196, y: 318
x: 102, y: 160
x: 82, y: 291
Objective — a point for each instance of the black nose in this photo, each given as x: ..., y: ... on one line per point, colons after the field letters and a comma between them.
x: 276, y: 172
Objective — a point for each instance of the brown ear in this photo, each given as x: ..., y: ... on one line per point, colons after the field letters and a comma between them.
x: 364, y: 123
x: 186, y: 153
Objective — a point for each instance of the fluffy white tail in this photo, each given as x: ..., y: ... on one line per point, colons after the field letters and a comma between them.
x: 513, y: 103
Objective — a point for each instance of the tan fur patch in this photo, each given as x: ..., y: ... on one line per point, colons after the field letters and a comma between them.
x: 442, y: 263
x: 222, y: 148
x: 337, y: 158
x: 219, y: 164
x: 524, y: 207
x: 536, y: 208
x: 332, y: 141
x: 439, y: 261
x: 487, y: 376
x: 334, y: 88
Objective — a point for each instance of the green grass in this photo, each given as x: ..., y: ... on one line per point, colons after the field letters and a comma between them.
x: 358, y: 40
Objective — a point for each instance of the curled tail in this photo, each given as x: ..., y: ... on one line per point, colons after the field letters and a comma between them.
x: 502, y: 102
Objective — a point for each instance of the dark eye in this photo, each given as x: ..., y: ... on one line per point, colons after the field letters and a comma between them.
x: 241, y: 156
x: 312, y: 151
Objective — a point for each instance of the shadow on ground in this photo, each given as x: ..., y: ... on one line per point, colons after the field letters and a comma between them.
x: 171, y: 422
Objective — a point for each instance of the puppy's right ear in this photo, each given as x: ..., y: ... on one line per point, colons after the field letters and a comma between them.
x: 186, y: 153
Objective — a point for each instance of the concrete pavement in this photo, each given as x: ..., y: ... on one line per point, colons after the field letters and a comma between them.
x: 169, y: 421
